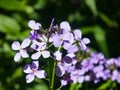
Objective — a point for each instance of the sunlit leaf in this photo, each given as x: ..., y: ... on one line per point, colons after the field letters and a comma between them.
x: 8, y: 25
x: 75, y: 86
x: 105, y: 85
x: 92, y: 6
x: 12, y: 5
x: 18, y: 73
x: 40, y: 4
x: 107, y: 20
x: 100, y: 37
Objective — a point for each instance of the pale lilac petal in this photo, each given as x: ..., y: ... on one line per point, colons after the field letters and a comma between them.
x: 63, y: 82
x: 81, y: 79
x: 27, y: 69
x: 16, y: 45
x: 58, y: 55
x: 25, y: 43
x: 36, y: 63
x: 65, y: 25
x: 24, y: 53
x: 40, y: 74
x: 36, y: 55
x: 60, y: 71
x: 57, y: 40
x: 33, y: 25
x: 82, y: 45
x: 45, y: 54
x: 17, y: 57
x: 77, y: 34
x: 74, y: 78
x: 42, y: 45
x: 86, y: 40
x: 66, y: 45
x: 30, y: 78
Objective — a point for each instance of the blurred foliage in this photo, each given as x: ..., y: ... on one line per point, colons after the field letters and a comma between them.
x: 98, y: 19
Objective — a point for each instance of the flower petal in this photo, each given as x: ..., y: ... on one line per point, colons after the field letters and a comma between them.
x: 86, y: 40
x: 34, y: 65
x: 17, y: 57
x: 46, y: 54
x: 30, y: 78
x: 16, y: 45
x: 81, y: 79
x: 40, y: 74
x: 27, y: 69
x: 25, y: 43
x: 63, y: 82
x: 36, y: 55
x: 58, y: 55
x: 65, y: 25
x: 33, y: 25
x: 24, y: 53
x: 77, y: 34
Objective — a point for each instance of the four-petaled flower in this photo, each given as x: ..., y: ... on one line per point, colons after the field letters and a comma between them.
x: 22, y: 52
x: 40, y: 48
x: 32, y: 71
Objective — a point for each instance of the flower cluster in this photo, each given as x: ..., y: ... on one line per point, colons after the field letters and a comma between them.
x: 68, y: 49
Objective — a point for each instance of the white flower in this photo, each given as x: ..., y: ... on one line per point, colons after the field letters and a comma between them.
x: 21, y: 49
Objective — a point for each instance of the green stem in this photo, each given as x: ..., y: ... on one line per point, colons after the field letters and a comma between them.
x: 53, y: 75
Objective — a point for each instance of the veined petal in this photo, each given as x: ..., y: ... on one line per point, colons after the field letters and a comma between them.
x: 17, y: 57
x: 30, y: 78
x: 86, y: 40
x: 77, y: 34
x: 36, y: 63
x: 82, y: 45
x: 60, y: 71
x: 63, y: 82
x: 16, y: 45
x: 33, y: 25
x: 27, y: 69
x: 24, y: 53
x: 57, y: 40
x: 58, y: 55
x: 25, y: 43
x: 36, y: 55
x: 45, y: 54
x: 40, y: 74
x: 65, y: 25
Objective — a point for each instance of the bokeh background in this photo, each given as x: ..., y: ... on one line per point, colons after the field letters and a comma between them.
x: 98, y: 19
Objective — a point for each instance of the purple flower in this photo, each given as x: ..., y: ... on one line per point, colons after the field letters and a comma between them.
x: 64, y: 39
x: 77, y: 76
x: 41, y: 46
x: 58, y: 55
x: 65, y: 26
x: 32, y: 71
x: 33, y: 25
x: 115, y: 76
x: 34, y: 35
x: 21, y: 49
x: 78, y: 37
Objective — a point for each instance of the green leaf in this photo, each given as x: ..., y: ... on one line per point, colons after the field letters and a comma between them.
x: 75, y: 86
x: 12, y: 4
x: 40, y: 4
x: 8, y: 25
x: 100, y: 37
x: 18, y: 73
x: 92, y: 6
x: 104, y: 85
x: 107, y: 20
